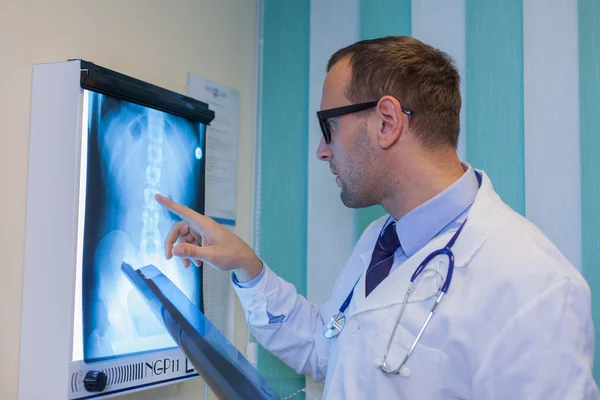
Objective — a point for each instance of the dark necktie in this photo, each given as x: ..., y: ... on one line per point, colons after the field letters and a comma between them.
x: 382, y: 259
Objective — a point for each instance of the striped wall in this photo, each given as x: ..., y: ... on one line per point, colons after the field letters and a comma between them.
x: 329, y: 222
x: 384, y: 18
x: 283, y: 159
x: 551, y: 104
x: 589, y: 86
x: 530, y: 118
x: 494, y: 77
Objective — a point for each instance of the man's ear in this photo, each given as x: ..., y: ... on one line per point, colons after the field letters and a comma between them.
x: 390, y: 121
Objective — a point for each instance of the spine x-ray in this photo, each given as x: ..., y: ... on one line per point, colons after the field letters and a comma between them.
x: 134, y: 152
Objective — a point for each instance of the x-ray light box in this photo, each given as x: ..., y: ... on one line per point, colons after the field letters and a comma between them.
x: 102, y: 144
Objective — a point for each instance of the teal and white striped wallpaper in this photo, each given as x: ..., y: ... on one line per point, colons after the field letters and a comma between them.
x: 283, y: 158
x: 531, y: 115
x: 589, y: 100
x: 494, y: 81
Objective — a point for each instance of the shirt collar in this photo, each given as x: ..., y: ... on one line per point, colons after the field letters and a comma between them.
x: 425, y: 222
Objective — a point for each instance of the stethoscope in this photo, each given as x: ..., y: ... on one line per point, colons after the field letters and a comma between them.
x: 336, y: 323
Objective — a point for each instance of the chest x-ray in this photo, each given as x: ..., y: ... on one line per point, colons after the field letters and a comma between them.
x: 133, y: 153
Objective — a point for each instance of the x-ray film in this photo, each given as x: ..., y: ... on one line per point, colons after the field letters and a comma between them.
x: 229, y: 375
x: 133, y: 152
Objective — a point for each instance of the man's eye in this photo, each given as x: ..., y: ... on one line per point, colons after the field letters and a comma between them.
x: 332, y: 125
x: 328, y: 125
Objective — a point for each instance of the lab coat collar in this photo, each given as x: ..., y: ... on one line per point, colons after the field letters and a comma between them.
x: 421, y: 225
x: 480, y: 222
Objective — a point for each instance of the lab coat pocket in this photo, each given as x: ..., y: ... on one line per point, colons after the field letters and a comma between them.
x: 421, y: 372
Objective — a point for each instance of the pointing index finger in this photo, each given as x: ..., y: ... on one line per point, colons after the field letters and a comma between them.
x: 182, y: 211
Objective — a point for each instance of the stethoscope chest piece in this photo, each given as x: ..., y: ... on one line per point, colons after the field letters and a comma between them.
x: 335, y: 325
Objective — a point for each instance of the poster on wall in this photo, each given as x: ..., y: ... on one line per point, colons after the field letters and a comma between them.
x: 221, y: 146
x: 221, y: 189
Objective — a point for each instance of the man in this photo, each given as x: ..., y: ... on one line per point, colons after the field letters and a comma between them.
x: 516, y: 320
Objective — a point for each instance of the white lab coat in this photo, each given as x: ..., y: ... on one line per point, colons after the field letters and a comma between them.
x: 516, y: 322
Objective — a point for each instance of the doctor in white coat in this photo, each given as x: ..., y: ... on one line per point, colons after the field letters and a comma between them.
x: 513, y: 319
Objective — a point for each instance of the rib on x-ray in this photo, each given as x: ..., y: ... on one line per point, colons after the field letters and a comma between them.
x: 133, y: 153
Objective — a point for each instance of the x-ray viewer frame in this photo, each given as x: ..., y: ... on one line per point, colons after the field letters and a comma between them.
x: 224, y: 368
x: 49, y: 367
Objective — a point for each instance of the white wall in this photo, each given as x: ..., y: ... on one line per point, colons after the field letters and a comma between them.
x: 330, y: 223
x: 441, y: 24
x: 551, y: 101
x: 158, y: 41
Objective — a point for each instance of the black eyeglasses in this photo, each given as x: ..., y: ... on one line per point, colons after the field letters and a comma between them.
x: 324, y: 115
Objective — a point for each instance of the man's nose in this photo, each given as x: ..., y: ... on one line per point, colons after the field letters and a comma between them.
x: 324, y: 152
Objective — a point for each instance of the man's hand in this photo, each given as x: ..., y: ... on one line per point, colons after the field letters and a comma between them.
x: 200, y: 238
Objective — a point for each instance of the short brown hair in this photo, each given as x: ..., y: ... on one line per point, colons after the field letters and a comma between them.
x: 422, y: 78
